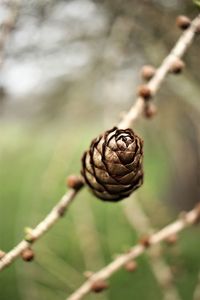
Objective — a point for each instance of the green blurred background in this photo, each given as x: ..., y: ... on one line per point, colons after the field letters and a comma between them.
x: 70, y: 69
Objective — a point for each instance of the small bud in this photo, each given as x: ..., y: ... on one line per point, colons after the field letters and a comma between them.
x: 28, y: 235
x: 144, y: 92
x: 147, y: 72
x: 2, y: 254
x: 99, y: 286
x: 150, y: 110
x: 75, y: 182
x: 88, y: 274
x: 172, y: 239
x: 27, y: 254
x: 183, y: 22
x: 131, y: 266
x: 145, y: 241
x: 177, y: 66
x: 61, y: 211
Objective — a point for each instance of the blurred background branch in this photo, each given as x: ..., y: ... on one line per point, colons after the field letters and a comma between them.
x: 188, y: 219
x: 162, y: 272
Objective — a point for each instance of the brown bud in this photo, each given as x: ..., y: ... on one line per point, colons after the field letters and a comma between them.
x: 172, y: 239
x: 177, y: 66
x: 144, y: 92
x: 131, y: 266
x: 145, y: 241
x: 27, y: 254
x: 75, y: 182
x: 61, y: 211
x: 183, y: 22
x: 147, y: 72
x: 2, y: 254
x: 99, y: 286
x: 150, y: 110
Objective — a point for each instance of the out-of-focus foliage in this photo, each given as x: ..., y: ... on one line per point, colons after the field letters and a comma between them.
x: 70, y: 69
x: 197, y: 2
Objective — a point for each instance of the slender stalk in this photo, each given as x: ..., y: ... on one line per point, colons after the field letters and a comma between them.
x: 34, y: 234
x: 162, y: 272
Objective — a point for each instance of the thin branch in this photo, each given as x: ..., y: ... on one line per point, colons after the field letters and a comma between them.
x: 162, y: 272
x: 34, y: 234
x: 176, y: 53
x: 185, y: 221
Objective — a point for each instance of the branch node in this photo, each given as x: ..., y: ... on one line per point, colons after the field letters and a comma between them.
x: 88, y: 274
x: 29, y: 235
x: 150, y: 110
x: 75, y: 182
x: 147, y: 72
x: 62, y: 210
x: 145, y: 241
x: 177, y: 66
x: 27, y: 254
x: 183, y: 22
x: 99, y: 285
x: 171, y: 239
x: 145, y: 92
x: 131, y: 266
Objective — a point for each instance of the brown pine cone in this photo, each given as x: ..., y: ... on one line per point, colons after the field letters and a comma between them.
x: 113, y: 166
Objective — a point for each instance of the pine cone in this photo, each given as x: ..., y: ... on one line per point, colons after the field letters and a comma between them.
x: 112, y: 167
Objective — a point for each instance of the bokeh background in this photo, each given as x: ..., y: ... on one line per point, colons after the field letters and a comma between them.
x: 69, y: 70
